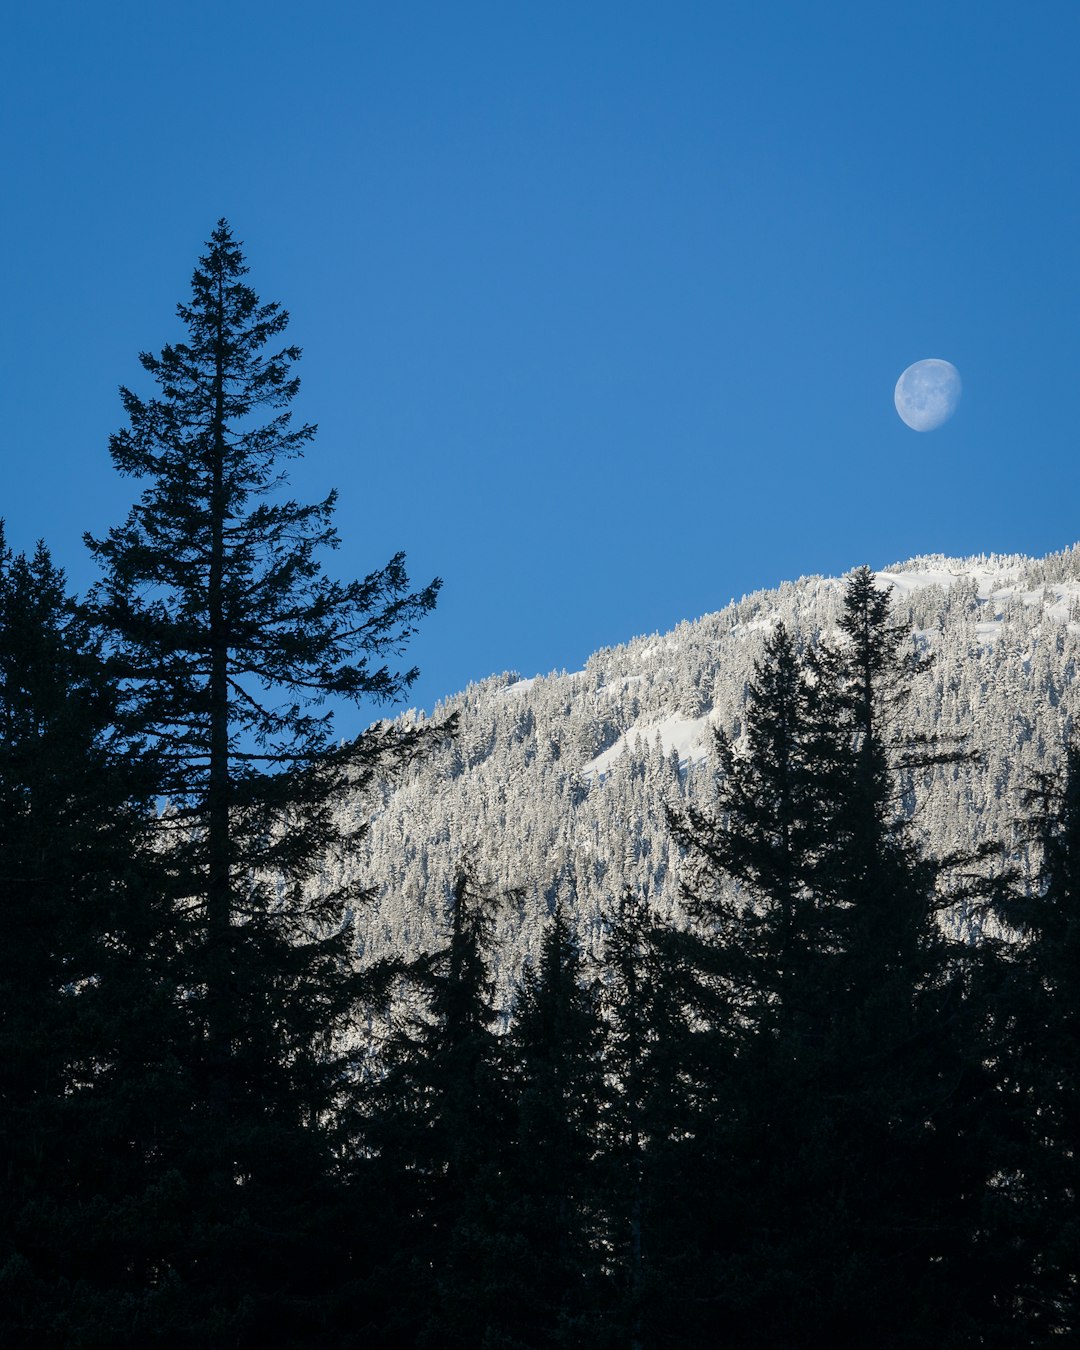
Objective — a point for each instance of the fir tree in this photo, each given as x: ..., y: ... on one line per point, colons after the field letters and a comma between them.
x: 750, y: 883
x: 901, y: 1069
x: 859, y: 1079
x: 764, y: 945
x: 227, y: 637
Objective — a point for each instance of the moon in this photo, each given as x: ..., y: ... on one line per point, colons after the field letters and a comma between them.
x: 927, y: 394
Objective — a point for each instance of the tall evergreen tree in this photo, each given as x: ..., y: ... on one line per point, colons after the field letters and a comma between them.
x: 765, y: 948
x: 227, y: 637
x: 751, y: 881
x: 903, y: 1066
x: 871, y: 867
x: 860, y: 1079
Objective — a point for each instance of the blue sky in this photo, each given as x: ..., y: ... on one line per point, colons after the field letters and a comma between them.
x: 602, y: 305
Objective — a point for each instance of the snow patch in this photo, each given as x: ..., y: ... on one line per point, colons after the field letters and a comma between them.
x: 988, y: 580
x: 687, y: 736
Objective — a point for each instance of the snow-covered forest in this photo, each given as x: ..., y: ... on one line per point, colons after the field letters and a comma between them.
x: 565, y: 778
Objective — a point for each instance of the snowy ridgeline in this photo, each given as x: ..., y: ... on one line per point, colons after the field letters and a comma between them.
x: 567, y: 775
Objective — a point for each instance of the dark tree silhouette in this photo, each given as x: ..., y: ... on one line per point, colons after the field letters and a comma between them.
x: 556, y: 1087
x: 437, y: 1133
x: 1037, y: 1018
x: 859, y: 1081
x: 85, y: 1004
x: 751, y: 880
x: 227, y: 637
x: 650, y: 1110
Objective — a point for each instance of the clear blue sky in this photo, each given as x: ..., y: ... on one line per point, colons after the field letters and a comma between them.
x: 602, y: 304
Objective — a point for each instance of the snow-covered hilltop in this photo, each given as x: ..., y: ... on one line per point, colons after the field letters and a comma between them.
x: 567, y: 775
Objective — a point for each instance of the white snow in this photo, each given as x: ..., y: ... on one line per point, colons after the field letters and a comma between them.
x: 906, y: 582
x: 1058, y: 601
x: 988, y: 580
x: 688, y: 736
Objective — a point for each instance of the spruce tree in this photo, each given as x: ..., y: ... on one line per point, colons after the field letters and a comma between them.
x: 227, y: 637
x: 902, y: 1068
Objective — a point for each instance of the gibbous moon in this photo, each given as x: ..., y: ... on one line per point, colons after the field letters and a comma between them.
x: 927, y: 394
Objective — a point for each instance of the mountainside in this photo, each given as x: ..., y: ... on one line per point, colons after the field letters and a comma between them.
x: 563, y: 779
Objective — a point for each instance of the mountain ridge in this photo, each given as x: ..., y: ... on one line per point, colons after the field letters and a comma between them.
x: 562, y: 780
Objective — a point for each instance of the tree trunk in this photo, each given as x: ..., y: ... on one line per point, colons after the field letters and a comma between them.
x: 218, y: 896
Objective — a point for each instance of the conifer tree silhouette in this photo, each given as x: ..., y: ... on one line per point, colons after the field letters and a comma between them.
x: 85, y: 1004
x: 858, y: 1080
x: 556, y: 1088
x: 227, y: 637
x: 1037, y: 1019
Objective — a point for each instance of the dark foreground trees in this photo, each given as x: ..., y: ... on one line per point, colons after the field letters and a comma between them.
x: 555, y: 1078
x: 1037, y: 1038
x: 858, y: 1150
x: 87, y: 1016
x: 436, y: 1130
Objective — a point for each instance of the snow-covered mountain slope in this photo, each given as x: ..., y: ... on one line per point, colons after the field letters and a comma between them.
x: 566, y: 776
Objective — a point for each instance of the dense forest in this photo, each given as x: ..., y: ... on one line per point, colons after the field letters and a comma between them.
x: 801, y: 1068
x: 573, y: 773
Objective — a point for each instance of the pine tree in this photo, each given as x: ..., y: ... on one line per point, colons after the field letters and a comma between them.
x: 901, y: 1066
x: 227, y: 637
x: 906, y: 1065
